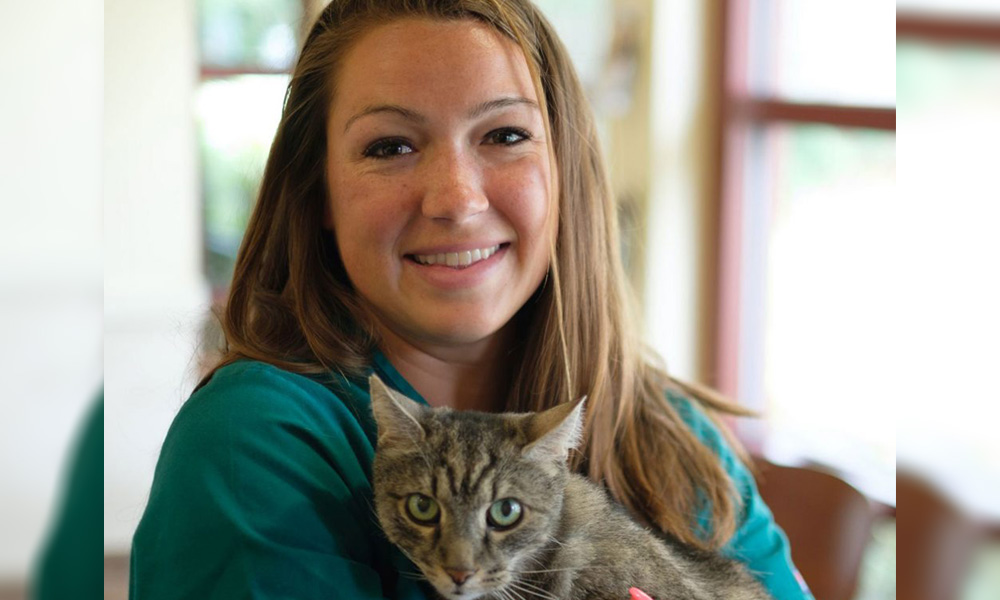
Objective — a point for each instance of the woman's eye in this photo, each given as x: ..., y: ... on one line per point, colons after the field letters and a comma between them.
x: 508, y: 136
x: 422, y: 509
x: 504, y: 514
x: 388, y: 148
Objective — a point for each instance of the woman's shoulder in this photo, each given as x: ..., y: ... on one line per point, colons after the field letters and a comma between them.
x: 758, y: 541
x: 709, y: 431
x: 698, y: 421
x: 254, y: 388
x: 251, y: 399
x: 259, y: 383
x: 269, y: 471
x: 257, y: 432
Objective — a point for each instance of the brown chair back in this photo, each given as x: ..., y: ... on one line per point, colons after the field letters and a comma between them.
x: 936, y: 542
x: 827, y: 521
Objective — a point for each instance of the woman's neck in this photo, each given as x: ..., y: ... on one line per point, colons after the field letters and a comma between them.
x: 468, y: 377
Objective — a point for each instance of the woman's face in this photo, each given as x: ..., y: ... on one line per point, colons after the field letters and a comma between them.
x: 439, y: 179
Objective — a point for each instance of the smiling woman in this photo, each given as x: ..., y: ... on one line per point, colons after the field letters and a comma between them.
x: 435, y: 152
x: 434, y: 211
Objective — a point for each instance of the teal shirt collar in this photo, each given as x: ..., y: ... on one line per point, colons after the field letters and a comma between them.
x: 388, y: 373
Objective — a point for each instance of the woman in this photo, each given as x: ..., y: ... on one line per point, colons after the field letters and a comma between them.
x: 434, y: 209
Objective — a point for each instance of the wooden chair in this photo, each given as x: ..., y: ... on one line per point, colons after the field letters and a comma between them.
x: 935, y: 542
x: 827, y: 521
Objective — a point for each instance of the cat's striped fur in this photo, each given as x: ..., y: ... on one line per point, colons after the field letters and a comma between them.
x: 571, y: 540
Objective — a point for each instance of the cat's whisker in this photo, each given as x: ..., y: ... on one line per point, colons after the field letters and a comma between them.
x: 579, y: 568
x: 535, y: 563
x: 525, y: 582
x: 412, y: 560
x: 513, y: 592
x: 534, y: 590
x: 537, y: 559
x: 503, y: 594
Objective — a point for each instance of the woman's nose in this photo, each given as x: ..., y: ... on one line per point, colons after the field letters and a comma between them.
x: 454, y: 187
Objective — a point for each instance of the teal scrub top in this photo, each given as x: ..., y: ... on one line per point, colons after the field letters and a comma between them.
x: 263, y: 490
x: 67, y: 566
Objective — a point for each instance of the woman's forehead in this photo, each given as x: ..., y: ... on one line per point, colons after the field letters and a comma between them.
x: 429, y: 65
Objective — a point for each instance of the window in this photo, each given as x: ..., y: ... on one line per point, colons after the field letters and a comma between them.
x: 247, y: 51
x: 844, y: 308
x: 808, y: 160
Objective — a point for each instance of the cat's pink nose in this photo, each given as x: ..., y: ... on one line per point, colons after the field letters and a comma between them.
x: 459, y: 576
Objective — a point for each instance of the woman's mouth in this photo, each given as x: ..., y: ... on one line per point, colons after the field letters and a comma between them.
x: 457, y: 260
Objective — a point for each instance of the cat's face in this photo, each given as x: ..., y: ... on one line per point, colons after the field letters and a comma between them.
x: 470, y: 498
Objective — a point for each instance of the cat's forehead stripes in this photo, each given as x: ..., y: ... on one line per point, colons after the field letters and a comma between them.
x: 485, y: 467
x: 468, y: 457
x: 468, y: 460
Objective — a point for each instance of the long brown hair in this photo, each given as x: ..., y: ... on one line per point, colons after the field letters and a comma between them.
x: 292, y: 305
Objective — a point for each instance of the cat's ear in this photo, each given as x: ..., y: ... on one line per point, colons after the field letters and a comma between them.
x: 397, y: 417
x: 554, y: 432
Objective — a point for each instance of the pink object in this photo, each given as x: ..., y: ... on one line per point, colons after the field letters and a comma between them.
x: 638, y: 594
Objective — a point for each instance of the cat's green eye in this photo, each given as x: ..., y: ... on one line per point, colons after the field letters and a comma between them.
x: 504, y: 514
x: 422, y: 509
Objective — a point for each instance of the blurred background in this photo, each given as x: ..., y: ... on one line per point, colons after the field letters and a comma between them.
x: 753, y: 152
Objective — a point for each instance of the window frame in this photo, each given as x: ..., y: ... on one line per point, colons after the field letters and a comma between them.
x: 740, y: 111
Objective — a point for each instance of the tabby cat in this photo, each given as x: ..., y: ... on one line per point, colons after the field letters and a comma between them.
x: 486, y: 507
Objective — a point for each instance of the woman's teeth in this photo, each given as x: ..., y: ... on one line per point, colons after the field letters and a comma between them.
x: 457, y: 259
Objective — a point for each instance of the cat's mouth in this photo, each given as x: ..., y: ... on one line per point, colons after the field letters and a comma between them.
x: 471, y: 589
x: 462, y: 592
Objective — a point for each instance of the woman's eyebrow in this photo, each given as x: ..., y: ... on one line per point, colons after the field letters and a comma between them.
x: 491, y: 105
x: 476, y: 112
x: 389, y: 108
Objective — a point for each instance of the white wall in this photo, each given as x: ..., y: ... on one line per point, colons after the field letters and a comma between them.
x: 59, y: 146
x: 682, y: 138
x: 50, y: 255
x: 154, y: 294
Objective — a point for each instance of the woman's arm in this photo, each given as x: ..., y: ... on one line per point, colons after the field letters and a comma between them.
x: 261, y: 491
x: 758, y: 542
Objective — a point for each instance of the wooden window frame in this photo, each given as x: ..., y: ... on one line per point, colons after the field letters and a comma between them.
x: 948, y: 30
x: 740, y: 112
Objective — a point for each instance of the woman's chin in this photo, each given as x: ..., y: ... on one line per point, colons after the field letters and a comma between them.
x: 457, y: 330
